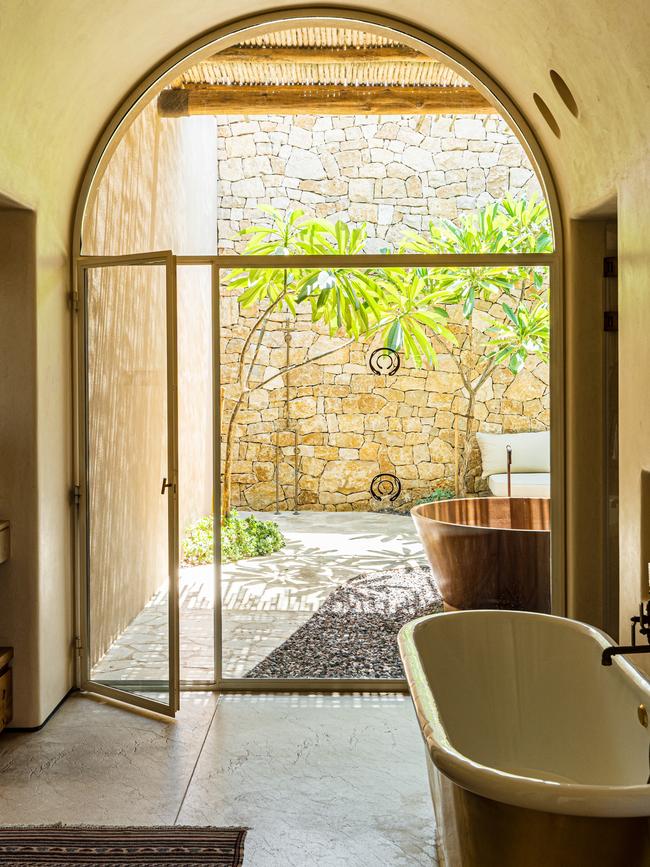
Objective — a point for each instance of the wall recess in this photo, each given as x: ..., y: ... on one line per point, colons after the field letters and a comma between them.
x: 564, y: 92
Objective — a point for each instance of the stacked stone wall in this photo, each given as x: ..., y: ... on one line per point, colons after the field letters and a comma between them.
x: 391, y: 173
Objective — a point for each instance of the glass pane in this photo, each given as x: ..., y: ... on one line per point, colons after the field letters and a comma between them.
x: 195, y: 410
x: 128, y: 554
x: 337, y: 435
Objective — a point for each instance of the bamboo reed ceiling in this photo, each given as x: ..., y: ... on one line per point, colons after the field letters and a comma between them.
x: 335, y: 70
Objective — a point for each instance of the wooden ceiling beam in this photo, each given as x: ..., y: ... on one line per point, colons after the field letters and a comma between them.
x: 291, y: 54
x: 320, y: 99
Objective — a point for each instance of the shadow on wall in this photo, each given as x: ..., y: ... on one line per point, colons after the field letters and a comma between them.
x: 158, y: 192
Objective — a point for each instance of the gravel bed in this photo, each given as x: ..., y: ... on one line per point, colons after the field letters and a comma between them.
x: 354, y: 632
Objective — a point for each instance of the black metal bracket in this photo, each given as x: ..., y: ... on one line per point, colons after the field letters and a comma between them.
x: 384, y: 361
x: 610, y: 320
x: 610, y: 266
x: 386, y: 485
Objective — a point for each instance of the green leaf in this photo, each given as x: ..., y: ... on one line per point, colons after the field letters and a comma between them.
x: 395, y: 337
x: 510, y: 313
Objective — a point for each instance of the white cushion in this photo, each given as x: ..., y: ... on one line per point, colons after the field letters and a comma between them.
x: 523, y: 484
x: 531, y: 452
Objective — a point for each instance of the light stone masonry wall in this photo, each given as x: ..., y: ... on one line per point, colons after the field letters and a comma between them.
x: 391, y: 173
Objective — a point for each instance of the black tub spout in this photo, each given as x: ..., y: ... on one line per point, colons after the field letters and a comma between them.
x: 624, y: 650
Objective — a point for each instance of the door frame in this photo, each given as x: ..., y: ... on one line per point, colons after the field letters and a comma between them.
x: 232, y: 31
x: 552, y: 261
x: 83, y: 265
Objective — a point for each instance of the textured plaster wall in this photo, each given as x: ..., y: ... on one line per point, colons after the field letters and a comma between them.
x: 634, y: 406
x: 57, y: 98
x: 392, y: 173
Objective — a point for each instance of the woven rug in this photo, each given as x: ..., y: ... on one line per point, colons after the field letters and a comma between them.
x: 121, y: 847
x: 354, y: 632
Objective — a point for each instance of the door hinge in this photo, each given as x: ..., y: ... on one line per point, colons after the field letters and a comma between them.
x: 610, y: 266
x: 610, y: 320
x: 78, y: 646
x: 74, y: 301
x: 75, y: 495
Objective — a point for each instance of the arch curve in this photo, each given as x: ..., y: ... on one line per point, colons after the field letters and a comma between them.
x: 235, y: 31
x: 247, y: 27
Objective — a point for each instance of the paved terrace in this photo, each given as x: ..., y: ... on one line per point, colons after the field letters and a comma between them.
x: 264, y: 599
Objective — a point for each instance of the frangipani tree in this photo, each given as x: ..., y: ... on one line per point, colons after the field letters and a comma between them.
x: 521, y: 327
x: 355, y: 304
x: 409, y: 307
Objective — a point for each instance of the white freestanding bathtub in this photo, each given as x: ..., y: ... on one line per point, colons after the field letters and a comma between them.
x: 537, y: 753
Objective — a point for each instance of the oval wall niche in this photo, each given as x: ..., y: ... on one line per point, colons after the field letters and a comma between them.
x: 564, y: 92
x: 547, y: 114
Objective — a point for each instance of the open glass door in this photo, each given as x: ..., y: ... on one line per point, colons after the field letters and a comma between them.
x: 128, y: 479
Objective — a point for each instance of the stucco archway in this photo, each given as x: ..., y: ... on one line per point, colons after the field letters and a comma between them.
x: 230, y: 34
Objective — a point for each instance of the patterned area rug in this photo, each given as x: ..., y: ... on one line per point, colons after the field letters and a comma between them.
x: 354, y: 632
x: 122, y: 847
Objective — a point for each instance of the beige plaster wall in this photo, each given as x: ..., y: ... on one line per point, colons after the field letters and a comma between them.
x: 634, y: 403
x: 57, y: 98
x: 587, y: 246
x: 158, y: 192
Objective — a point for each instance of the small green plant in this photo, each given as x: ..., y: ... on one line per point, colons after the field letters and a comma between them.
x: 241, y: 538
x: 435, y: 496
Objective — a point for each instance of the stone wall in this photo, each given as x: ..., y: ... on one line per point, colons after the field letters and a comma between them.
x: 391, y: 173
x: 388, y: 171
x: 353, y: 424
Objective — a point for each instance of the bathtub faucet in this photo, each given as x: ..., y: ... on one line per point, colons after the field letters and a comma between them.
x: 624, y: 649
x: 642, y: 620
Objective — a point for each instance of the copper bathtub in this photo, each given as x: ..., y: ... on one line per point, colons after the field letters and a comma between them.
x: 489, y: 552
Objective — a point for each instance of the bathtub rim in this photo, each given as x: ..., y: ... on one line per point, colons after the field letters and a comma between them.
x: 416, y: 514
x: 574, y: 799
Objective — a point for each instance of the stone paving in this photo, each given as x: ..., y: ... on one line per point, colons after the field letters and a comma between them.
x: 264, y: 599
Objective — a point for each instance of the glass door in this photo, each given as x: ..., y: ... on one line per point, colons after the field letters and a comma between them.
x: 128, y: 479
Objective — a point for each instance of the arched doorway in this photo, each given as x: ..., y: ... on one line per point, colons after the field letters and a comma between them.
x: 144, y: 288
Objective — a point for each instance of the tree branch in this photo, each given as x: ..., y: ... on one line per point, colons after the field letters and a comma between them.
x: 256, y: 352
x: 459, y: 369
x: 265, y: 313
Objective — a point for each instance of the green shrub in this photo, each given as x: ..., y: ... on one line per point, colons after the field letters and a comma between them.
x: 241, y: 538
x: 434, y: 496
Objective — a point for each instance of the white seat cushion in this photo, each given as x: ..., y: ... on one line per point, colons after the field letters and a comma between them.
x: 531, y: 452
x: 523, y: 484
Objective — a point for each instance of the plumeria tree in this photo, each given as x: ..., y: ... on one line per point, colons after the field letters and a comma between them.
x: 513, y: 323
x: 354, y: 303
x: 409, y: 307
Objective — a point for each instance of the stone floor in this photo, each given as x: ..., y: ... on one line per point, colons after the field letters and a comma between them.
x: 321, y: 781
x: 264, y: 599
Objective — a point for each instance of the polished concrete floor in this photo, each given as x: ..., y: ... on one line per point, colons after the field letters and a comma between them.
x: 321, y: 781
x: 264, y: 599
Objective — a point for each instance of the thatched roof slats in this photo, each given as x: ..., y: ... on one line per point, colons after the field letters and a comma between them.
x: 352, y: 74
x: 384, y: 73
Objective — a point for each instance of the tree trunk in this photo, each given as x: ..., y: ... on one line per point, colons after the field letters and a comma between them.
x: 226, y: 499
x: 468, y: 445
